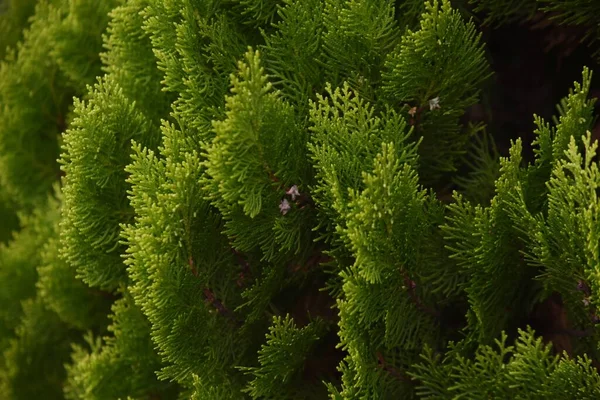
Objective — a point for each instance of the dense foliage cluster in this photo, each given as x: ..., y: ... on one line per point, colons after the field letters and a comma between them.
x: 286, y: 199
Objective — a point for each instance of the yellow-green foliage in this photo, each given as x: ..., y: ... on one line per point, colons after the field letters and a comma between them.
x: 249, y: 205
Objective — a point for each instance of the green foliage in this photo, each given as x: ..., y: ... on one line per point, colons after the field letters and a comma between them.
x: 176, y: 226
x: 196, y: 58
x: 551, y: 228
x: 129, y: 60
x: 526, y: 370
x: 193, y: 337
x: 572, y: 12
x: 356, y: 41
x: 35, y: 341
x: 254, y: 192
x: 504, y: 11
x: 35, y: 357
x: 119, y: 365
x: 556, y: 221
x: 34, y: 101
x: 282, y: 360
x: 484, y: 168
x: 19, y: 260
x: 345, y: 138
x: 14, y: 18
x: 259, y: 12
x: 436, y: 72
x: 38, y: 79
x: 484, y: 238
x: 123, y: 106
x: 293, y: 49
x: 81, y: 27
x: 444, y: 59
x: 70, y: 298
x: 485, y: 245
x: 95, y: 151
x: 10, y: 221
x: 371, y: 328
x: 253, y: 160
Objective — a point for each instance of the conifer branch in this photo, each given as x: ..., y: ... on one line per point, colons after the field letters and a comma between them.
x: 391, y: 370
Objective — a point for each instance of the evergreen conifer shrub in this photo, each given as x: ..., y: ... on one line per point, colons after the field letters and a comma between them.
x: 291, y: 199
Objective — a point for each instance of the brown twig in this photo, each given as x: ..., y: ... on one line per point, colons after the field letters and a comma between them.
x: 245, y: 272
x: 411, y: 285
x: 316, y: 259
x: 192, y: 266
x: 390, y: 369
x: 212, y: 300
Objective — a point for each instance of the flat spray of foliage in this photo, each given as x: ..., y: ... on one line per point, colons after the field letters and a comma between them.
x: 248, y: 208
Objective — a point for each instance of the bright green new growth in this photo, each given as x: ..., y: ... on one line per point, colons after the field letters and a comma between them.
x: 96, y: 150
x: 255, y: 138
x: 345, y: 138
x: 95, y: 201
x: 390, y: 206
x: 121, y: 107
x: 366, y: 191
